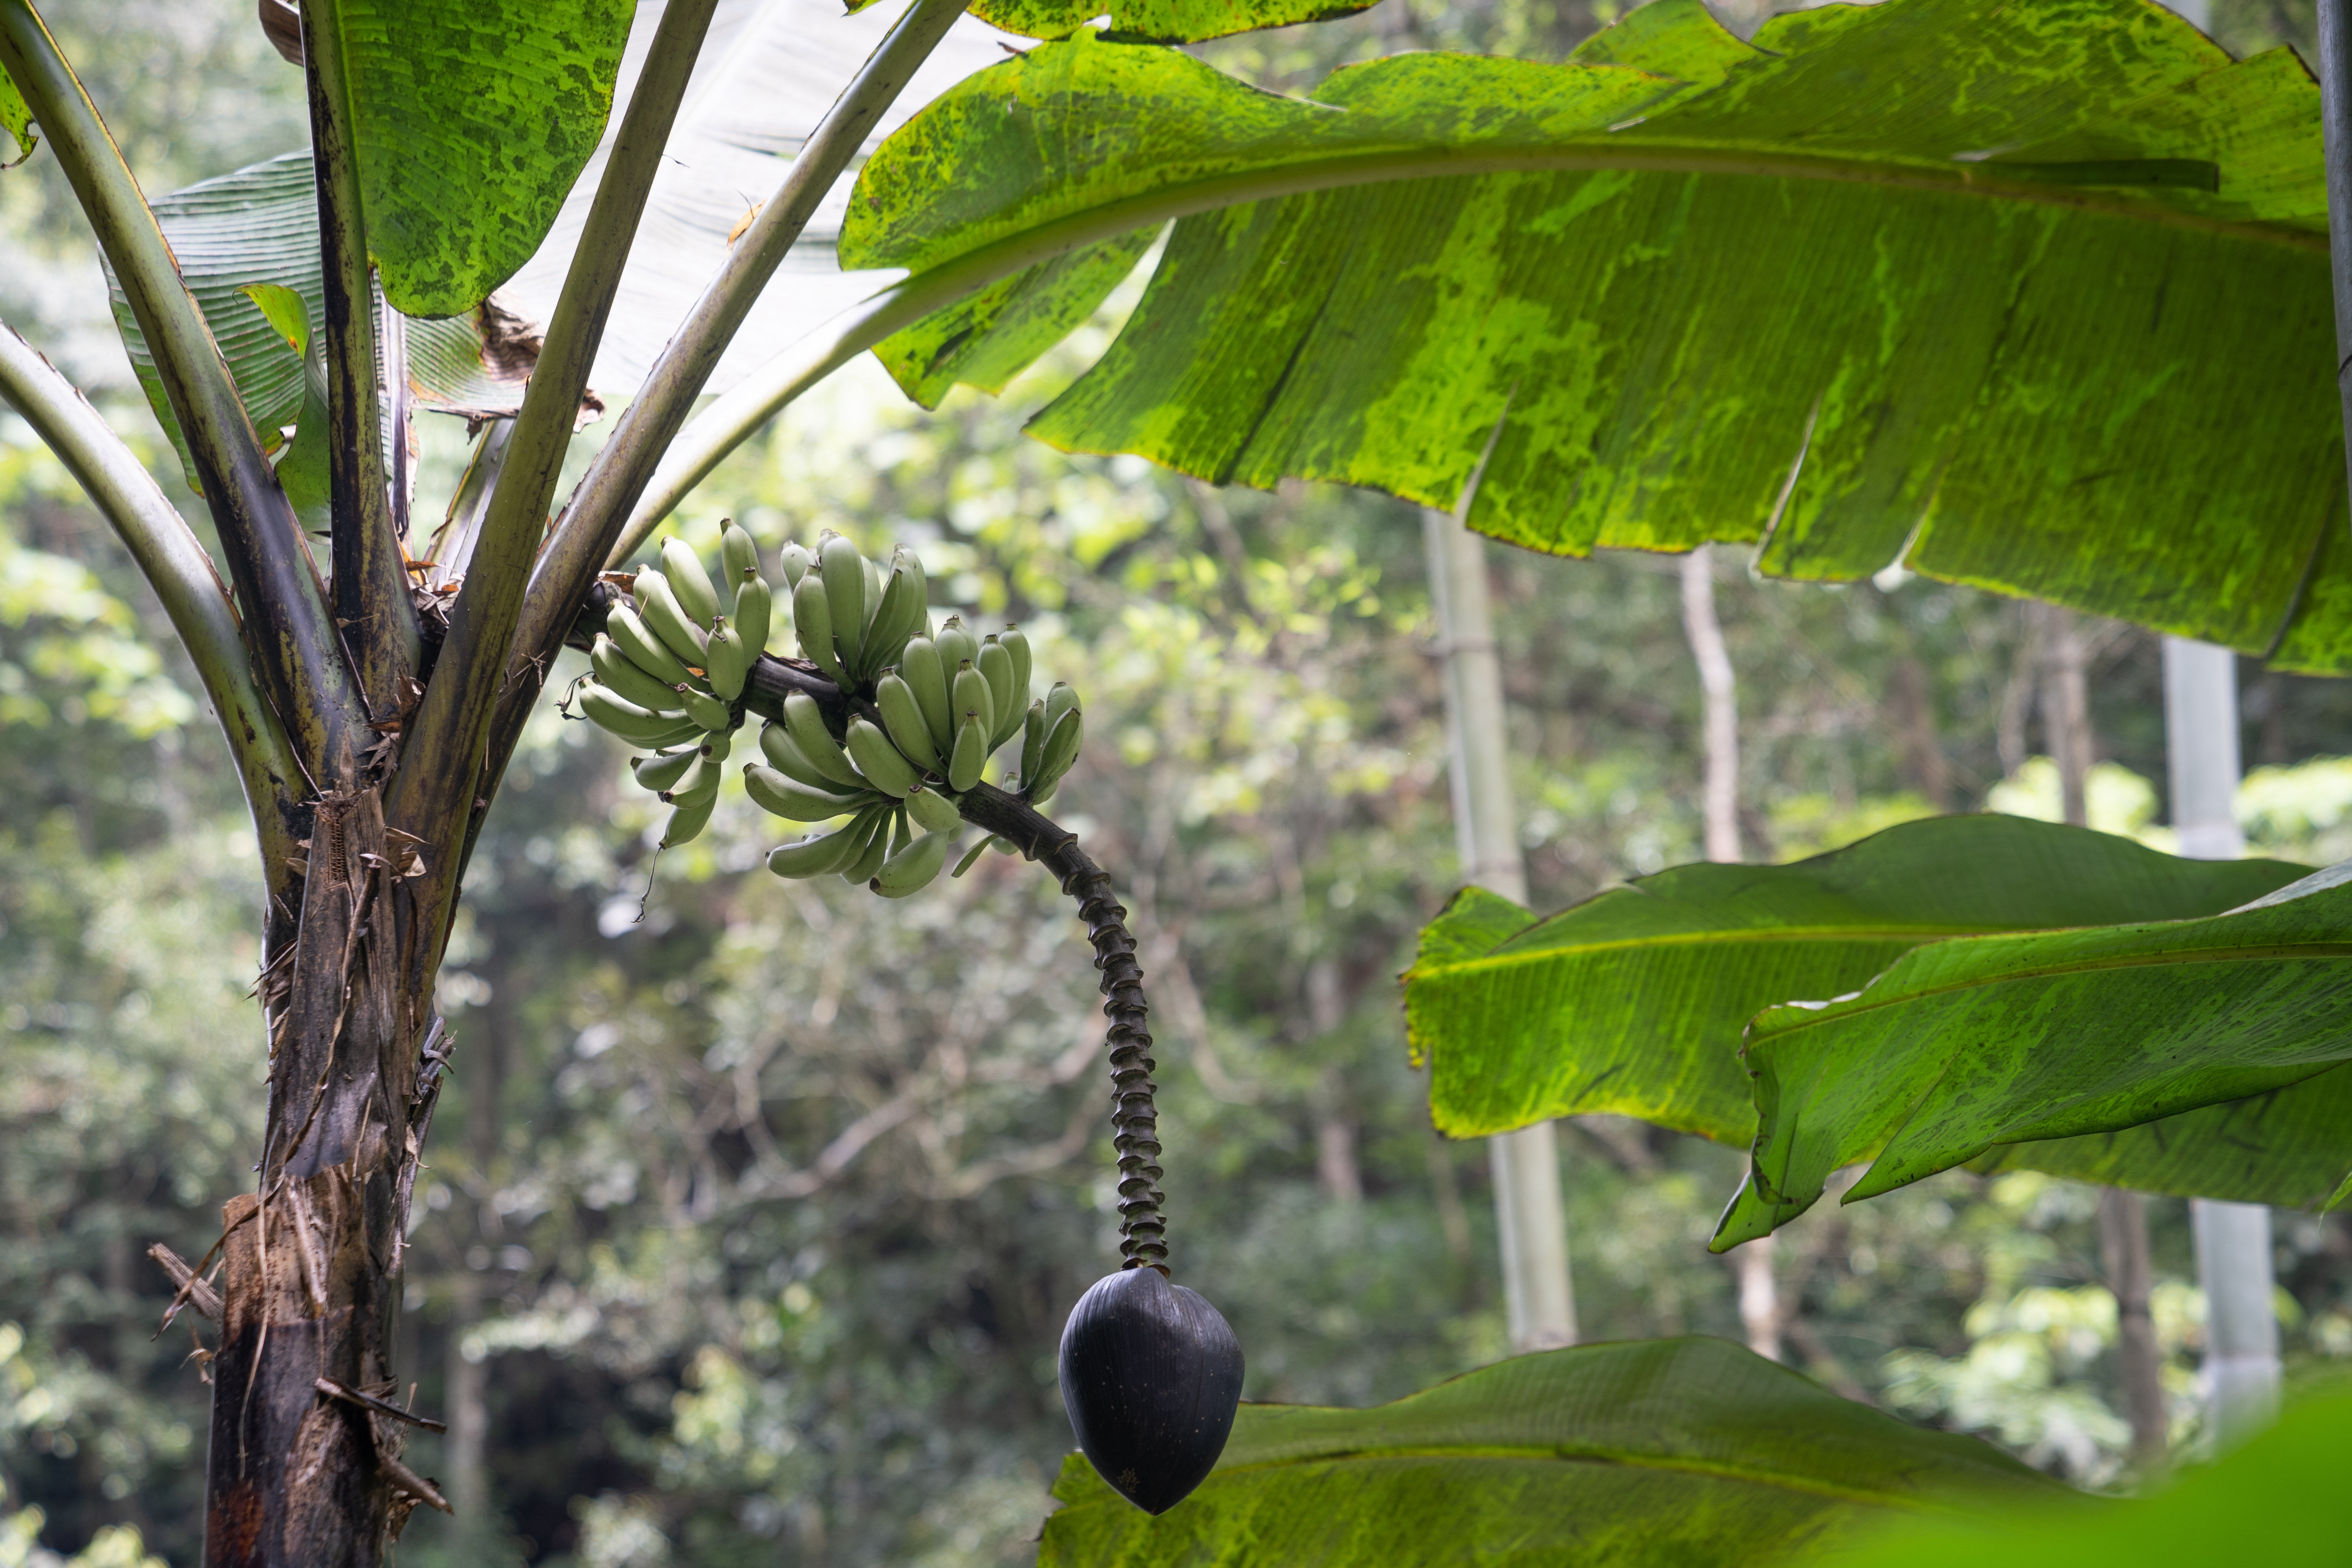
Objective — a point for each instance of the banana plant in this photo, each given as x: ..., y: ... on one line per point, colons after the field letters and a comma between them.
x: 1441, y: 266
x: 289, y: 322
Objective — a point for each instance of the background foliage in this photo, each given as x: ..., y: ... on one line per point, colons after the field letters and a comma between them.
x: 752, y: 1222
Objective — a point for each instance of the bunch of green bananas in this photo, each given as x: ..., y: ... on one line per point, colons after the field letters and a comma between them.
x: 927, y: 708
x: 669, y: 673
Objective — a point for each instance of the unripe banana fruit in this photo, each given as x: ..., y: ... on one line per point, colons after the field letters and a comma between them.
x: 772, y: 791
x: 933, y: 812
x: 688, y: 581
x: 913, y: 868
x: 658, y: 608
x: 879, y: 761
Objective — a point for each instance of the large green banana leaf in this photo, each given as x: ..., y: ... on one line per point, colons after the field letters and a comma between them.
x: 1968, y: 1044
x: 2273, y: 1502
x: 1655, y: 1452
x: 768, y: 71
x: 1635, y: 1001
x: 258, y: 228
x: 471, y: 119
x: 1165, y: 21
x: 1956, y: 282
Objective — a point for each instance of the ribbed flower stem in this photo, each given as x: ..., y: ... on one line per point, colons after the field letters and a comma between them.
x: 1134, y: 1120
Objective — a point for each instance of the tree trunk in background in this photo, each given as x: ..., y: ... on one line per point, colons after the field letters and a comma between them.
x: 2123, y: 1251
x: 1530, y: 1222
x: 2233, y: 1240
x: 2123, y: 1216
x: 2066, y: 710
x: 1751, y: 1262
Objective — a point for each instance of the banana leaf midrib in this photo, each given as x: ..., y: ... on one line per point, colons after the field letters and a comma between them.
x: 951, y: 275
x: 1863, y: 1002
x: 1761, y: 935
x: 1673, y: 1463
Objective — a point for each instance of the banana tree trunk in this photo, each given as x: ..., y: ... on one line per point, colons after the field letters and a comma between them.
x: 2233, y: 1240
x: 1529, y: 1216
x: 305, y: 1467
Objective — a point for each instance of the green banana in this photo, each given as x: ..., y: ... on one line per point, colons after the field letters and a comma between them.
x: 913, y: 868
x: 971, y: 694
x: 727, y: 662
x: 813, y: 620
x: 927, y: 678
x: 737, y: 553
x: 619, y: 674
x: 1058, y: 701
x: 902, y: 717
x: 688, y: 821
x: 624, y: 718
x: 956, y: 645
x: 900, y: 616
x: 708, y: 711
x: 754, y: 612
x: 697, y: 786
x: 1017, y: 646
x: 658, y: 774
x: 1061, y: 751
x: 1033, y: 743
x: 823, y: 854
x: 901, y: 834
x: 688, y: 581
x: 776, y: 744
x: 644, y: 649
x: 792, y: 562
x: 995, y: 667
x: 971, y: 754
x: 806, y: 723
x: 876, y: 850
x: 879, y: 761
x: 658, y: 606
x: 933, y: 812
x: 775, y: 793
x: 843, y: 571
x: 974, y: 853
x: 717, y: 743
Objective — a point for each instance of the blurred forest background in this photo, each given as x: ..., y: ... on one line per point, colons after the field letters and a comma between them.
x: 751, y: 1219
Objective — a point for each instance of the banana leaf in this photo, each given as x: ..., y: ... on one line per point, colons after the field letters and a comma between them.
x: 17, y: 121
x: 2273, y: 1502
x: 471, y: 119
x: 1953, y: 282
x: 768, y: 71
x: 1633, y: 1001
x: 257, y: 229
x: 1660, y: 1451
x: 1966, y: 1045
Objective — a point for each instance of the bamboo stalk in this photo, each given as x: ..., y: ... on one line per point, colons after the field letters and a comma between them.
x: 1532, y: 1224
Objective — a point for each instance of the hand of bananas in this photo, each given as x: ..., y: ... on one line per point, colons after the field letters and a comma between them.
x: 929, y: 708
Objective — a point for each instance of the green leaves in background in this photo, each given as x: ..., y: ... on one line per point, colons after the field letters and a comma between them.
x: 2273, y: 1501
x: 1443, y: 251
x: 1966, y: 1045
x: 1635, y: 1001
x: 1161, y: 21
x: 256, y: 231
x: 471, y: 122
x: 17, y: 121
x: 1658, y: 1451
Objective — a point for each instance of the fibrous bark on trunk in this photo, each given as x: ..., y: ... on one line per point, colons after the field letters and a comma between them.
x: 305, y: 1467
